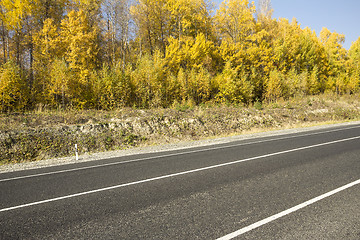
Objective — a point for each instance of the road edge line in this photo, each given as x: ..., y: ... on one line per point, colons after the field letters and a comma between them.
x: 287, y: 212
x: 283, y: 137
x: 175, y: 174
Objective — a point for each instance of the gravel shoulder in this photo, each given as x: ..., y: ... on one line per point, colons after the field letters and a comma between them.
x: 162, y: 148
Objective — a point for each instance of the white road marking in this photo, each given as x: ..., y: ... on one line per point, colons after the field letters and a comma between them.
x: 173, y: 154
x: 286, y: 212
x: 175, y: 174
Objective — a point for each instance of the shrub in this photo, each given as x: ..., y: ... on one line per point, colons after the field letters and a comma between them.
x: 111, y: 88
x: 14, y: 93
x: 234, y: 87
x: 275, y: 86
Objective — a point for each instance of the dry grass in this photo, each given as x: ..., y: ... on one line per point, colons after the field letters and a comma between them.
x: 49, y: 133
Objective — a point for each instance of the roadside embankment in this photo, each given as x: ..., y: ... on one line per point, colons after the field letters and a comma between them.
x: 50, y: 134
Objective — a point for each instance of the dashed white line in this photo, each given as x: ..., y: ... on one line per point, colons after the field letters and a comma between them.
x: 175, y: 174
x: 173, y: 154
x: 286, y: 212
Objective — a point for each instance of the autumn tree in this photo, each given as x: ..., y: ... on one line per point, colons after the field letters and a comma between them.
x: 13, y: 14
x: 235, y: 20
x: 81, y: 42
x: 59, y: 88
x: 45, y: 14
x: 152, y: 21
x: 354, y: 66
x: 148, y: 79
x: 81, y: 49
x: 190, y: 17
x: 265, y: 10
x: 53, y: 9
x: 156, y: 53
x: 14, y: 93
x: 234, y: 87
x: 47, y: 48
x: 275, y: 86
x: 90, y: 8
x: 191, y: 53
x: 333, y: 43
x: 116, y: 28
x: 288, y: 46
x: 111, y: 88
x: 4, y: 36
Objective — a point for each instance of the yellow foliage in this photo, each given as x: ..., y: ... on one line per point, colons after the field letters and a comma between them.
x: 313, y: 84
x: 14, y: 11
x: 13, y: 90
x: 80, y: 41
x: 190, y: 53
x: 354, y: 55
x: 235, y: 20
x: 334, y: 49
x: 111, y: 88
x: 200, y: 85
x: 232, y: 87
x: 148, y: 79
x: 59, y: 91
x: 190, y: 18
x: 71, y: 55
x: 47, y: 44
x: 354, y: 82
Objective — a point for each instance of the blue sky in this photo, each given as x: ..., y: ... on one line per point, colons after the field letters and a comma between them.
x: 339, y: 16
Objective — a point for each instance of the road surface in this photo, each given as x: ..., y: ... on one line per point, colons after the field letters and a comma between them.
x: 295, y: 186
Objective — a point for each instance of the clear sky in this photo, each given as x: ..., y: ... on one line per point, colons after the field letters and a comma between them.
x: 340, y: 16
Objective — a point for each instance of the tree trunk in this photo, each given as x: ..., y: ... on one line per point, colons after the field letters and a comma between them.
x: 3, y: 33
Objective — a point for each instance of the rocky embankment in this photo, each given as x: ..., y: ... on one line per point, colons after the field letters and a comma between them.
x: 149, y: 127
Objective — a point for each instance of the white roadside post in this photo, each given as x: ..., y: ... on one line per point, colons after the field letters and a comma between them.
x: 76, y: 152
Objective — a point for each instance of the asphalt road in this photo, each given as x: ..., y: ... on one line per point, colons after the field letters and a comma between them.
x: 200, y: 193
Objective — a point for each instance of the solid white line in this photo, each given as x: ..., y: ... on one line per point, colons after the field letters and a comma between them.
x: 175, y: 174
x: 286, y: 212
x: 173, y: 154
